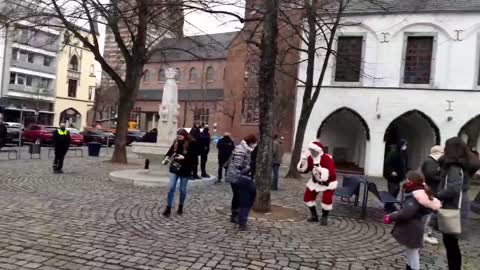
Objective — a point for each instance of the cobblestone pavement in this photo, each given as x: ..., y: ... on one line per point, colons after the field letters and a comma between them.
x: 81, y: 220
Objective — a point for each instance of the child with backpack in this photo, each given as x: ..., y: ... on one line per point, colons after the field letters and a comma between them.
x: 409, y: 221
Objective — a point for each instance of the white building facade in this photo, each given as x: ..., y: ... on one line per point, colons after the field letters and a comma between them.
x: 412, y: 76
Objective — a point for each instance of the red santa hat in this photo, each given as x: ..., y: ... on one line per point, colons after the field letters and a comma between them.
x: 317, y: 147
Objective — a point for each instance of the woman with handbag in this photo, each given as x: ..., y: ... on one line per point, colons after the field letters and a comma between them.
x: 180, y: 158
x: 238, y: 175
x: 458, y: 165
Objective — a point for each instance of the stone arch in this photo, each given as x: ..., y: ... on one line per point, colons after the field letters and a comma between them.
x: 74, y: 63
x: 345, y: 134
x: 418, y: 129
x: 71, y: 117
x: 470, y: 132
x: 437, y: 27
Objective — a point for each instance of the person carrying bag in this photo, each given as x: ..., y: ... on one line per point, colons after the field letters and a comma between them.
x: 450, y: 219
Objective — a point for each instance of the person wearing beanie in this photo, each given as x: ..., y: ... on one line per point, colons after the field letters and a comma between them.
x: 323, y: 179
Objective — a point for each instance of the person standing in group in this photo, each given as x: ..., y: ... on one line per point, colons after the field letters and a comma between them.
x: 276, y: 159
x: 458, y: 165
x: 409, y: 221
x: 180, y: 159
x: 3, y: 132
x: 323, y: 179
x: 61, y: 143
x: 195, y: 133
x: 225, y: 148
x: 431, y: 170
x: 243, y: 187
x: 150, y: 137
x: 204, y: 146
x: 395, y: 169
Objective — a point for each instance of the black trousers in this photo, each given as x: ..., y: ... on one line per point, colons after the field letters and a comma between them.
x: 221, y: 163
x: 195, y: 166
x: 454, y: 255
x: 58, y: 160
x: 394, y: 190
x: 203, y: 163
x: 235, y: 207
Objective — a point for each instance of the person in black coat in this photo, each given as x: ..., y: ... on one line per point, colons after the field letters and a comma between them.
x: 395, y: 169
x: 204, y: 144
x: 181, y: 160
x: 253, y: 161
x: 150, y: 137
x: 61, y: 143
x: 3, y: 133
x: 225, y: 148
x: 195, y: 133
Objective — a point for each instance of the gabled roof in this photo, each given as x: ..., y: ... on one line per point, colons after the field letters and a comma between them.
x: 214, y: 46
x: 412, y: 6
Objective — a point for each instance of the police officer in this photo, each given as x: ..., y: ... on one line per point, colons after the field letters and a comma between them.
x: 61, y: 142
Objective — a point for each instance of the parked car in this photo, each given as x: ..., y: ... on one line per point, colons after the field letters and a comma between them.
x: 14, y: 132
x: 75, y: 137
x: 39, y: 133
x: 98, y: 136
x: 134, y: 136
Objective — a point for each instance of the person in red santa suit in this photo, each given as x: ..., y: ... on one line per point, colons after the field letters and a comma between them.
x: 323, y: 179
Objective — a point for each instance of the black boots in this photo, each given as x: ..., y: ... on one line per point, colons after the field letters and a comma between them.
x: 324, y: 221
x: 180, y: 210
x: 314, y: 215
x: 167, y: 211
x: 409, y: 268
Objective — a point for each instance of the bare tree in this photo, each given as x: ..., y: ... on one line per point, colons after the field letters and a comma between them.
x: 136, y: 25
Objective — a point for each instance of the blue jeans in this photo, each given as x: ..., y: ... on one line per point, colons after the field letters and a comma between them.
x: 173, y: 186
x: 275, y: 169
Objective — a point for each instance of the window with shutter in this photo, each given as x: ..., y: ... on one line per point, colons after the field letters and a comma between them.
x: 418, y: 60
x: 349, y: 59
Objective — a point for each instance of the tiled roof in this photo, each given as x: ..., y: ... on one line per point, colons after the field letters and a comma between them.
x: 214, y: 46
x: 412, y: 6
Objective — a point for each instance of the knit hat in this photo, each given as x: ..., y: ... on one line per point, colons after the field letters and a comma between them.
x: 317, y: 147
x: 436, y: 152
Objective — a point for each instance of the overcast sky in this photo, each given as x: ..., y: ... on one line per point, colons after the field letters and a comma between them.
x: 202, y: 23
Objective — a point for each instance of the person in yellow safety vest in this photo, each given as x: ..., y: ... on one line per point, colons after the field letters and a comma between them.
x: 61, y: 143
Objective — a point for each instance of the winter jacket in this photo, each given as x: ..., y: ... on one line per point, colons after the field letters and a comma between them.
x: 225, y: 148
x: 150, y: 137
x: 239, y: 164
x: 3, y: 134
x: 187, y: 163
x: 196, y: 134
x: 277, y: 153
x: 204, y: 142
x: 409, y: 224
x: 395, y: 162
x: 61, y: 143
x: 432, y: 172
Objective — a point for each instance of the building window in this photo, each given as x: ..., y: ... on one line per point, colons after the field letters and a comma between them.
x: 23, y: 56
x: 250, y: 110
x: 146, y: 76
x: 15, y: 54
x: 90, y: 92
x: 92, y: 70
x: 418, y: 60
x: 13, y: 77
x: 349, y: 59
x: 161, y: 75
x: 44, y: 84
x: 210, y: 74
x: 178, y: 74
x: 20, y: 79
x: 47, y: 61
x: 72, y: 88
x: 73, y: 65
x: 201, y: 115
x: 31, y: 58
x: 29, y: 80
x: 192, y: 76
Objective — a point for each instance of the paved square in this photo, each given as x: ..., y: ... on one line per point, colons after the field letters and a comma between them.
x: 81, y: 220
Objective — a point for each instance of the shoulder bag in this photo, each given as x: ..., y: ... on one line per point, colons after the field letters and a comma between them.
x: 175, y: 166
x: 449, y: 220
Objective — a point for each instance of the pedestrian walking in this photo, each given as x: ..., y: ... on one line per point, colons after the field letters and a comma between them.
x: 458, y: 165
x: 61, y: 143
x: 323, y: 179
x: 239, y: 176
x: 3, y: 132
x: 276, y: 160
x: 409, y: 221
x: 225, y: 148
x: 431, y: 170
x: 395, y: 169
x: 150, y: 137
x: 180, y: 159
x: 195, y: 133
x: 204, y: 144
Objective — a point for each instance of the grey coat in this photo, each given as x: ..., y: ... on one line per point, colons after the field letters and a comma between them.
x: 277, y: 153
x: 239, y: 164
x: 409, y: 226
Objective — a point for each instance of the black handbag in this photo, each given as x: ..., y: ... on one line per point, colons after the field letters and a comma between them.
x: 175, y: 167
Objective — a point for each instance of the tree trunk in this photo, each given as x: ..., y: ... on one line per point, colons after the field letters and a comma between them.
x: 266, y: 83
x: 297, y: 148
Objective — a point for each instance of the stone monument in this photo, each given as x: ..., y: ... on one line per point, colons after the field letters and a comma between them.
x: 158, y: 174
